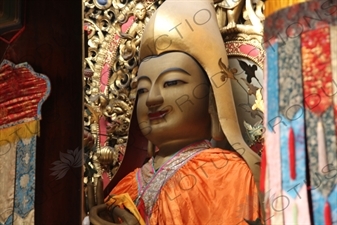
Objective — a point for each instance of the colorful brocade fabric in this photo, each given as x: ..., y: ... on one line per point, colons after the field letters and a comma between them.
x: 197, y: 186
x: 17, y: 177
x: 151, y: 181
x: 22, y: 92
x: 301, y: 119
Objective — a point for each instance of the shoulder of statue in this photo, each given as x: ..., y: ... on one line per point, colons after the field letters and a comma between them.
x: 215, y: 159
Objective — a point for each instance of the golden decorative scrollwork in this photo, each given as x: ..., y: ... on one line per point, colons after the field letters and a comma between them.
x: 114, y: 29
x: 240, y: 19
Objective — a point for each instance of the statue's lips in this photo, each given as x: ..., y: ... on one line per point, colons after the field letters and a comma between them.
x: 157, y: 115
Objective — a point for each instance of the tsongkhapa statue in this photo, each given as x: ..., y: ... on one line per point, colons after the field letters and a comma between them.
x: 184, y: 109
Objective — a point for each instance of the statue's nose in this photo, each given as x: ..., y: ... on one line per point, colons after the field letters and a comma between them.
x: 155, y: 99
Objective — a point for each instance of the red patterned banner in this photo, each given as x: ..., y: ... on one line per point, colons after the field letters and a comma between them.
x: 20, y: 93
x: 317, y: 71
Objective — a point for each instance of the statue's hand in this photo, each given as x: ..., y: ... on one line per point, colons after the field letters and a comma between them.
x: 99, y: 213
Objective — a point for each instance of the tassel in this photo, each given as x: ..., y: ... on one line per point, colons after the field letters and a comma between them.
x: 327, y: 214
x: 263, y: 169
x: 295, y: 214
x: 322, y: 160
x: 292, y: 154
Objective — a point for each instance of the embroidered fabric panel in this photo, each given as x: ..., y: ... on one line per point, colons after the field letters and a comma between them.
x: 292, y: 132
x: 7, y: 177
x: 17, y: 181
x: 25, y: 177
x: 307, y: 88
x: 291, y: 22
x: 272, y: 147
x: 22, y: 92
x: 322, y: 146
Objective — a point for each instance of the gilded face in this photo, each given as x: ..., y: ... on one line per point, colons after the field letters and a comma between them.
x: 173, y: 100
x: 140, y: 11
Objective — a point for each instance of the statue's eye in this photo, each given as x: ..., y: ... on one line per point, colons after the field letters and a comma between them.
x: 141, y: 91
x: 173, y: 82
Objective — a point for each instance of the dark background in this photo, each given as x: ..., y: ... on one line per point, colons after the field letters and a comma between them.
x: 52, y: 44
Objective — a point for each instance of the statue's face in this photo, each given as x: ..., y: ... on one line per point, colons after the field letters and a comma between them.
x: 173, y: 100
x: 140, y: 11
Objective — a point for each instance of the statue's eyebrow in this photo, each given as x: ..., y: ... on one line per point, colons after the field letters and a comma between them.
x: 144, y: 77
x: 172, y: 69
x: 176, y: 69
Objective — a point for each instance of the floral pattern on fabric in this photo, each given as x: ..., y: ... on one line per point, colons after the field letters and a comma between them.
x: 319, y: 107
x: 272, y: 87
x: 287, y: 182
x: 291, y: 22
x: 292, y: 110
x: 21, y: 191
x: 291, y: 94
x: 302, y: 39
x: 317, y: 72
x: 25, y: 177
x: 322, y: 178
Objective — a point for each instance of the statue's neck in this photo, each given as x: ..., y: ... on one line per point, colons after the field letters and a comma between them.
x: 166, y: 152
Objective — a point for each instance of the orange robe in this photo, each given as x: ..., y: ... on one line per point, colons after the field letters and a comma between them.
x: 213, y: 187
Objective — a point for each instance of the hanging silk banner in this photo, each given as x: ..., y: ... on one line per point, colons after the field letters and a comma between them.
x: 301, y: 118
x: 22, y: 92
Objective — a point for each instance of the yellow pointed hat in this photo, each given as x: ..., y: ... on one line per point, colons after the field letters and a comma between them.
x: 190, y: 26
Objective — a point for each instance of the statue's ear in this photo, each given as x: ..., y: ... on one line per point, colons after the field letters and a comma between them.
x: 216, y: 131
x: 150, y: 149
